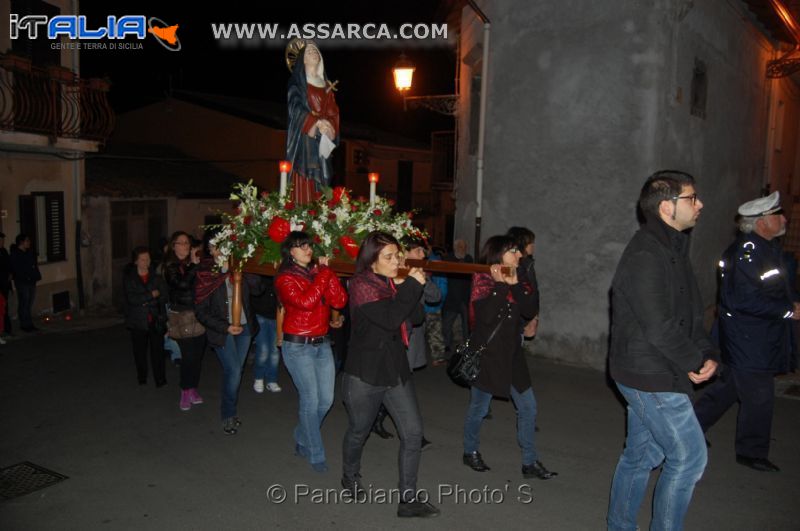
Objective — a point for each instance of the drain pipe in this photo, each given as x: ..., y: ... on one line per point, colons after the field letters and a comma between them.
x: 76, y: 188
x: 481, y: 124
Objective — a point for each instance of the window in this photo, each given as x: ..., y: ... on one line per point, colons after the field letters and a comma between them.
x: 41, y: 216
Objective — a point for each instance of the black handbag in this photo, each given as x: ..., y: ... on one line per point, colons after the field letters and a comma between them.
x: 465, y: 365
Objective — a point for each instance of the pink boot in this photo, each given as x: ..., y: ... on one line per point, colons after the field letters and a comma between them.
x: 194, y: 396
x: 186, y: 400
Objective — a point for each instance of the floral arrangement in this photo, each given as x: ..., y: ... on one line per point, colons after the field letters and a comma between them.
x: 336, y: 222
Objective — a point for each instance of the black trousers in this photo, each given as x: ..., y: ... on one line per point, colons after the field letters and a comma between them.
x: 755, y: 392
x: 152, y: 339
x: 362, y: 401
x: 192, y: 350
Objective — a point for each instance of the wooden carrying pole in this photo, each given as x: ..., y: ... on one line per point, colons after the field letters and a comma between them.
x: 347, y: 268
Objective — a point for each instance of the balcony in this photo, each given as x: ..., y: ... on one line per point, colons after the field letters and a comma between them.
x: 52, y: 101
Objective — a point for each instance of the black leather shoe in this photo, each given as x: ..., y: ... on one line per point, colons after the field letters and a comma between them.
x: 353, y: 486
x: 757, y: 463
x: 537, y: 470
x: 381, y: 432
x: 475, y: 462
x: 416, y: 509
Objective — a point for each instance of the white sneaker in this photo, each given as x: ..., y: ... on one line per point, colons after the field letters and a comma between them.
x: 273, y: 387
x: 3, y: 342
x: 258, y: 386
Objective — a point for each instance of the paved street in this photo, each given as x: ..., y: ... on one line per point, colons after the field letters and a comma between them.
x: 70, y: 402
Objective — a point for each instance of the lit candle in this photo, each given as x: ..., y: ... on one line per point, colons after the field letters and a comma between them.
x: 373, y: 186
x: 285, y: 167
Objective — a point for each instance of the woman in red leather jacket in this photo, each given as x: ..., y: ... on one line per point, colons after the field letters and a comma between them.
x: 307, y: 293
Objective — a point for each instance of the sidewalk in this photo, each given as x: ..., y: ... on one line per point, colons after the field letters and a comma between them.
x: 69, y: 402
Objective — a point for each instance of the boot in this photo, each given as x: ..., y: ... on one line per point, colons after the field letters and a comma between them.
x: 377, y: 426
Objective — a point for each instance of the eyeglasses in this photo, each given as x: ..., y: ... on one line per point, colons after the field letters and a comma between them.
x: 304, y: 246
x: 692, y: 198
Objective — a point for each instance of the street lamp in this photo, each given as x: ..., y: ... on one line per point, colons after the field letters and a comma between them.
x: 403, y: 73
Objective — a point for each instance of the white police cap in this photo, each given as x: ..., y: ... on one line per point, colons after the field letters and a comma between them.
x: 763, y: 206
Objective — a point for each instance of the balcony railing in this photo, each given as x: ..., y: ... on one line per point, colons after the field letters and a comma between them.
x: 52, y: 101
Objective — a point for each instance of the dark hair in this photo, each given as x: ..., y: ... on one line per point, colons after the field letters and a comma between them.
x: 410, y: 243
x: 523, y: 236
x: 294, y: 239
x: 494, y: 249
x: 665, y: 185
x: 21, y: 237
x: 371, y: 248
x: 170, y: 255
x: 138, y: 251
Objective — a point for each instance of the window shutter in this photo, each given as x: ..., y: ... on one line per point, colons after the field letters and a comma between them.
x: 54, y: 217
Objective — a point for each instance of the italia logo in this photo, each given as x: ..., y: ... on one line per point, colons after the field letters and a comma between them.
x: 76, y: 27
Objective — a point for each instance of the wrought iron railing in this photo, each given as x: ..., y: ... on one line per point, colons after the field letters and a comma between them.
x: 52, y: 101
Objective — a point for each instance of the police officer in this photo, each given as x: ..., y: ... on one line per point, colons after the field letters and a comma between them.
x: 757, y: 305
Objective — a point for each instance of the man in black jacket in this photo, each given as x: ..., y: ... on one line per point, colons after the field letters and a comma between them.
x: 26, y: 274
x: 658, y: 349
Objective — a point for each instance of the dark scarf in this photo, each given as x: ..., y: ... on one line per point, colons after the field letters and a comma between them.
x: 367, y: 286
x: 207, y: 280
x: 482, y: 287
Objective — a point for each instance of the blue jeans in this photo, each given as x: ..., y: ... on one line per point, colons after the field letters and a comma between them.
x: 267, y: 355
x: 171, y: 346
x: 313, y: 374
x: 525, y: 404
x: 232, y: 356
x: 662, y: 427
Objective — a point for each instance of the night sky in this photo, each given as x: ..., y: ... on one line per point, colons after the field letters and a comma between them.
x: 366, y: 89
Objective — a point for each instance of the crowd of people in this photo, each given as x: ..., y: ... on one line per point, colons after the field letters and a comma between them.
x: 384, y: 322
x: 389, y: 319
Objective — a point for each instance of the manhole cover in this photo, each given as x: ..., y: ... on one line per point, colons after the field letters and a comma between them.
x: 23, y: 478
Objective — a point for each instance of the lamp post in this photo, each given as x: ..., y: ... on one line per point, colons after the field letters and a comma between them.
x: 285, y: 167
x: 373, y: 185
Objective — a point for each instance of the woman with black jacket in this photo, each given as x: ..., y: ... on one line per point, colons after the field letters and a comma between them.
x: 213, y: 293
x: 498, y: 306
x: 145, y: 314
x: 180, y: 272
x: 377, y: 370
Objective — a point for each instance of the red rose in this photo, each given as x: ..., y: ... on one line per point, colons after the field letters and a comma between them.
x: 391, y: 202
x: 377, y: 212
x: 289, y: 205
x: 237, y: 210
x: 331, y: 216
x: 264, y: 194
x: 234, y: 237
x: 248, y: 220
x: 337, y: 251
x: 350, y: 246
x: 410, y: 215
x: 331, y: 204
x: 278, y: 229
x: 351, y: 229
x: 339, y: 193
x: 262, y: 209
x: 317, y: 239
x: 354, y: 207
x: 312, y: 213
